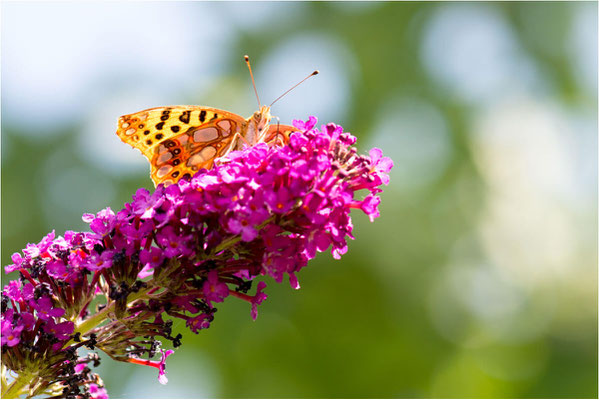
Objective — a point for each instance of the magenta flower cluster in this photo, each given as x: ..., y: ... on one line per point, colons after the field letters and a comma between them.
x: 182, y: 249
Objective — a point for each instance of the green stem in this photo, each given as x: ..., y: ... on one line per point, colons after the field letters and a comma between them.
x: 95, y: 320
x: 16, y: 387
x: 227, y: 243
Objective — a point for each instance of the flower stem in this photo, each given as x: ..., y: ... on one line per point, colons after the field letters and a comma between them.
x: 226, y: 243
x: 16, y: 387
x: 95, y: 320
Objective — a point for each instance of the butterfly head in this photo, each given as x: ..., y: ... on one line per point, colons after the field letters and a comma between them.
x: 262, y: 118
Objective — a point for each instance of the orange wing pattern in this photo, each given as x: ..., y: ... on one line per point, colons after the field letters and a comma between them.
x: 180, y: 140
x: 279, y: 134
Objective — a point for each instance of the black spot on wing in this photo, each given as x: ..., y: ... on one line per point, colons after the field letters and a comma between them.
x: 184, y: 117
x: 202, y: 115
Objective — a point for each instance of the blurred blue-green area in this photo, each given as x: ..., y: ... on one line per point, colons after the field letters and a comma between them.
x: 480, y: 277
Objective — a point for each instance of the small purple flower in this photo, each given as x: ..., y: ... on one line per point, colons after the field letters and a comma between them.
x: 213, y: 289
x: 62, y: 330
x: 199, y: 322
x: 80, y: 367
x: 370, y: 206
x: 96, y: 262
x: 27, y: 320
x: 134, y: 233
x: 162, y: 367
x: 276, y: 266
x: 17, y: 292
x: 381, y: 165
x: 305, y: 126
x: 280, y: 201
x: 186, y: 303
x: 257, y: 299
x: 152, y: 257
x: 17, y: 260
x: 45, y: 243
x: 145, y: 272
x: 31, y: 251
x: 103, y: 223
x: 241, y: 224
x: 172, y: 193
x: 145, y: 204
x: 57, y: 270
x: 45, y: 309
x: 97, y: 392
x: 28, y: 291
x: 293, y: 281
x: 317, y: 241
x: 174, y: 245
x: 11, y: 335
x: 13, y: 290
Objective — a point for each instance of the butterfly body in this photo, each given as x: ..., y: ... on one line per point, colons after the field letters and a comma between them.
x: 180, y: 140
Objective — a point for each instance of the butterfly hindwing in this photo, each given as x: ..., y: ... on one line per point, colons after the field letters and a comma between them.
x: 279, y: 134
x: 180, y: 140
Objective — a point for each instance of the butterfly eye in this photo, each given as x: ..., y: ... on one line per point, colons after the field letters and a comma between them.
x: 257, y: 115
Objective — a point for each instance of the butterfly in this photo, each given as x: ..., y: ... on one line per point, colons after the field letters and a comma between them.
x: 180, y: 140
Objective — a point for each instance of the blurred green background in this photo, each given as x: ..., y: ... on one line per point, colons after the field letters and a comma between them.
x: 480, y: 277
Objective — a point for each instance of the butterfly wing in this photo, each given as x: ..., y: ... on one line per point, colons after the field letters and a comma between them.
x: 180, y: 140
x: 279, y: 134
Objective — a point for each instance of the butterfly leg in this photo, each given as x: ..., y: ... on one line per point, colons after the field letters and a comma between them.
x: 277, y: 141
x: 278, y: 125
x: 234, y: 142
x: 265, y: 132
x: 280, y: 140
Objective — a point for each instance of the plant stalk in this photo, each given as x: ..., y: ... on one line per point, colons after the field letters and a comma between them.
x: 16, y: 387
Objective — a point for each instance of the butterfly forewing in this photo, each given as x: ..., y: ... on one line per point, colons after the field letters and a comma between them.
x: 180, y: 140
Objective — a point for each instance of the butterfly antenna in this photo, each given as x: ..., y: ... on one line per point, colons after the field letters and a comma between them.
x: 247, y: 61
x: 296, y: 85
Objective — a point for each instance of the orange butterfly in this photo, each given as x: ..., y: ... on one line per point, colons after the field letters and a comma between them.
x: 180, y: 140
